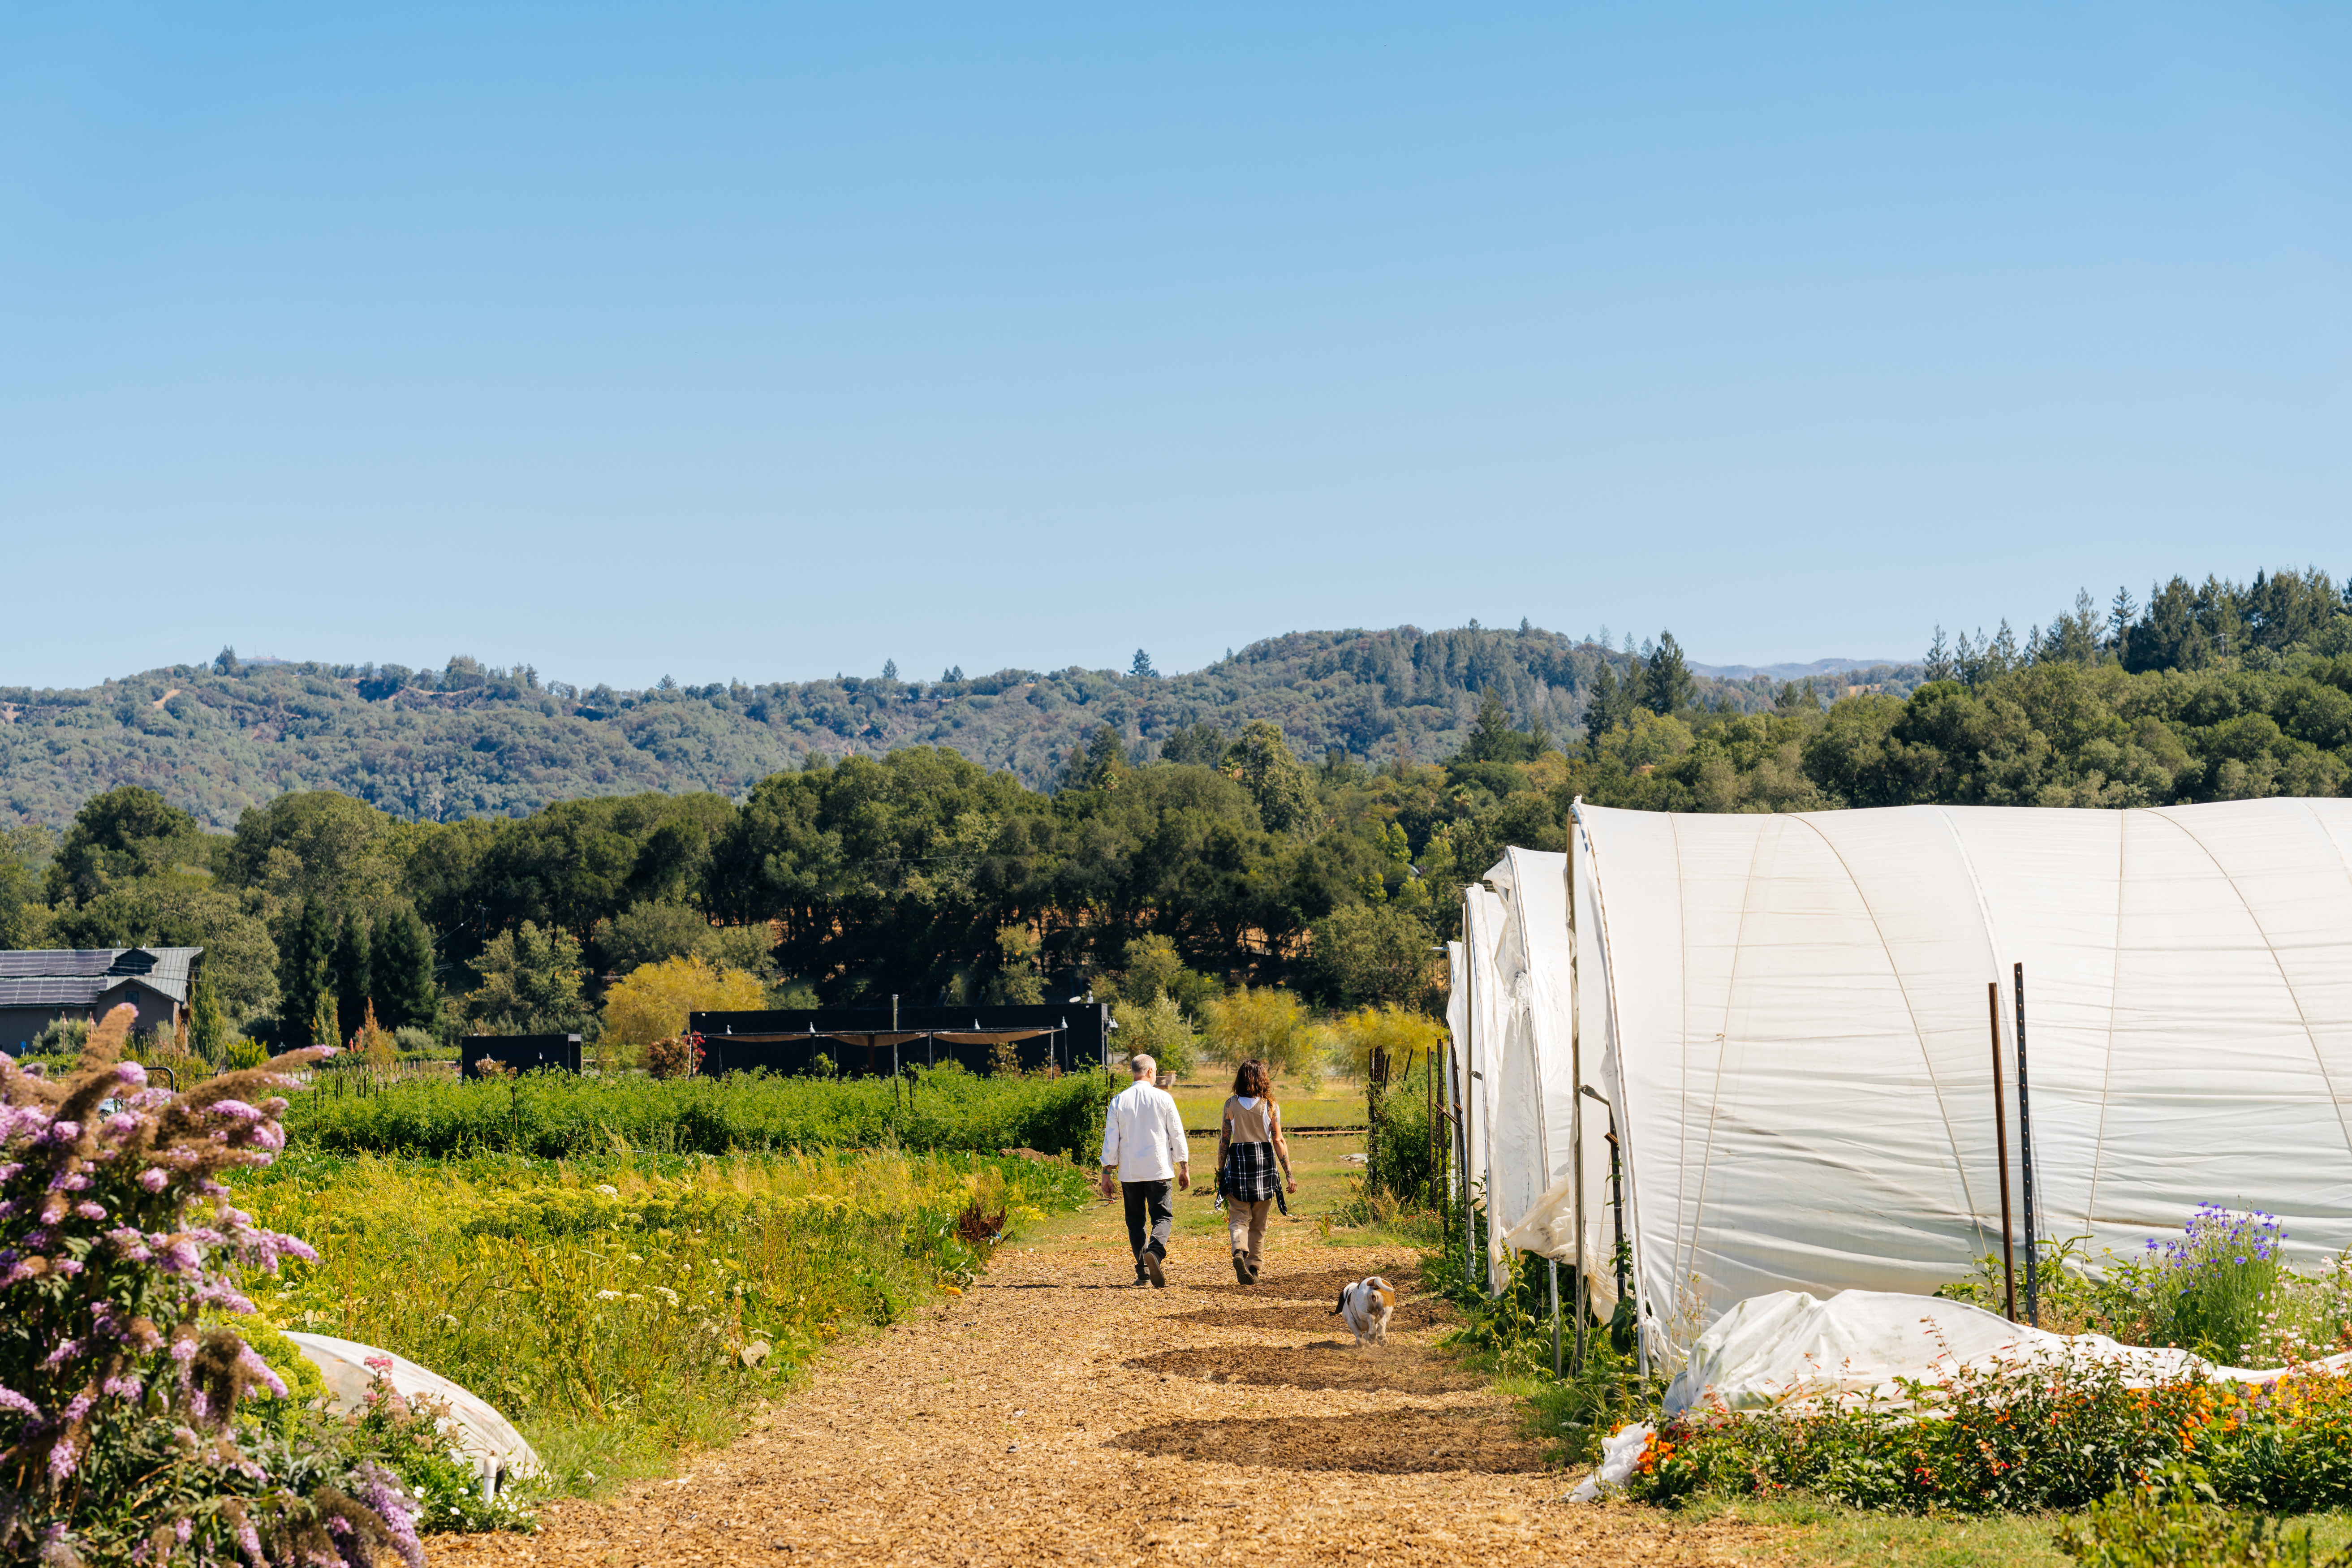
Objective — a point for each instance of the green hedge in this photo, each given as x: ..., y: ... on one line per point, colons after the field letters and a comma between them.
x: 554, y: 1115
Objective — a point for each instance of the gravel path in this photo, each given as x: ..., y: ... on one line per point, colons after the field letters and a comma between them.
x: 1051, y: 1415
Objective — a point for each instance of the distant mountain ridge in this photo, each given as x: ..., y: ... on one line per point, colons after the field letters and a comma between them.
x: 469, y: 740
x: 1816, y: 669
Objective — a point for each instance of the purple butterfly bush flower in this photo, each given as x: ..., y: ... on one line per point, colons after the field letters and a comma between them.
x: 380, y: 1489
x: 104, y: 1164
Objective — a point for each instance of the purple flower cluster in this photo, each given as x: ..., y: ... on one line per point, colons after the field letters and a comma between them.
x: 2216, y: 1236
x: 116, y: 1235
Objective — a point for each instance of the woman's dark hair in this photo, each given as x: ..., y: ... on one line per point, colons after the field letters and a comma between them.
x: 1252, y: 1081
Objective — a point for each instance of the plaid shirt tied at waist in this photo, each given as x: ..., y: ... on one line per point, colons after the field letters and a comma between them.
x: 1251, y: 1176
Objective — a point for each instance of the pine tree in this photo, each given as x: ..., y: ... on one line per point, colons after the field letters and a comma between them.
x: 890, y: 670
x: 1097, y: 764
x: 305, y: 974
x: 325, y: 1028
x: 207, y: 1025
x: 406, y: 994
x: 1603, y: 705
x: 1492, y: 739
x: 353, y: 980
x: 2121, y: 611
x: 1941, y: 665
x: 1141, y: 667
x: 1666, y: 683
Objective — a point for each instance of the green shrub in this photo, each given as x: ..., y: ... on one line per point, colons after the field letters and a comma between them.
x: 552, y: 1115
x: 2140, y: 1529
x: 60, y: 1037
x: 241, y: 1054
x: 1158, y: 1029
x: 1404, y: 1154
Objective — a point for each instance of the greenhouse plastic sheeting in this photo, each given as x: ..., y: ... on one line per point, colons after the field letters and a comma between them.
x: 1483, y: 920
x: 1787, y: 1015
x: 1519, y: 1032
x: 1457, y: 1046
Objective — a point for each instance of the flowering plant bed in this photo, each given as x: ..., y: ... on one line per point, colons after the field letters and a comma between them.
x: 2037, y: 1437
x: 2074, y: 1420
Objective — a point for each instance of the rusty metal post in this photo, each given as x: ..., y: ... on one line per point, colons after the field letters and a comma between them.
x: 2025, y: 1162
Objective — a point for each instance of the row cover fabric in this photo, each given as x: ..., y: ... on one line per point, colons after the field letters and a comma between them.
x: 500, y: 1453
x: 1787, y: 1020
x: 1791, y: 1350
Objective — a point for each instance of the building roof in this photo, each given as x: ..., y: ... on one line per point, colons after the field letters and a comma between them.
x: 77, y: 977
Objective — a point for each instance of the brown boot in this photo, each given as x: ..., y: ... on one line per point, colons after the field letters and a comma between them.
x: 1253, y: 1273
x: 1242, y: 1269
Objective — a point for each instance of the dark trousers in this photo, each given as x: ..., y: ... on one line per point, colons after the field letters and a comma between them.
x: 1150, y: 1215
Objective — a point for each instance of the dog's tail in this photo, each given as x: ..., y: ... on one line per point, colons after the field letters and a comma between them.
x: 1343, y: 1301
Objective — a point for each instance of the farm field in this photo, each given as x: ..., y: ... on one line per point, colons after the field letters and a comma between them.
x: 1337, y: 1103
x: 619, y: 1308
x: 1048, y: 1416
x: 1045, y: 1415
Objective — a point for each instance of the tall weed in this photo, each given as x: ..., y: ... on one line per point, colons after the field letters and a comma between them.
x: 1509, y: 1337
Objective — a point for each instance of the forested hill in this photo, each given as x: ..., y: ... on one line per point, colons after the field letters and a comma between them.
x: 471, y: 741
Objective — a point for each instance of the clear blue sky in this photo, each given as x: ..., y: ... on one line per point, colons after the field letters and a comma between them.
x: 772, y: 341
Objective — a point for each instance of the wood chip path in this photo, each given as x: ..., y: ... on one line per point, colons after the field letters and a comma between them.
x: 1052, y: 1416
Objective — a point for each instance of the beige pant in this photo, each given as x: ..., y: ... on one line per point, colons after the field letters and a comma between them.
x: 1245, y: 1227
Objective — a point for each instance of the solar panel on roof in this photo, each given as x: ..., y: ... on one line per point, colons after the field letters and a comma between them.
x: 57, y: 962
x: 50, y: 991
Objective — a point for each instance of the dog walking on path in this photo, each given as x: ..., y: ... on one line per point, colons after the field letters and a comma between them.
x: 1365, y: 1306
x: 1144, y: 1146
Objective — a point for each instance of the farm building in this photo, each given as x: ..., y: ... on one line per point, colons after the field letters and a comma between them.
x: 1806, y: 1035
x: 38, y: 987
x: 879, y: 1041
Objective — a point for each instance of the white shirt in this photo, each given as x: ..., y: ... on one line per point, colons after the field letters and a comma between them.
x: 1143, y: 1134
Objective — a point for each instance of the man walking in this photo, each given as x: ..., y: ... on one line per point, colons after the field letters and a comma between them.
x: 1143, y: 1145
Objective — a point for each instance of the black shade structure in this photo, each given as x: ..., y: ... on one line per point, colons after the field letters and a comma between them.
x: 874, y: 1042
x: 522, y: 1053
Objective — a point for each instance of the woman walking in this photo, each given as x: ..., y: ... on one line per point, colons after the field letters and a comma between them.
x: 1250, y: 1148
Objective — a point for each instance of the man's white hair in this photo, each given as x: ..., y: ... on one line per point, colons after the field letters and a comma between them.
x: 1141, y: 1066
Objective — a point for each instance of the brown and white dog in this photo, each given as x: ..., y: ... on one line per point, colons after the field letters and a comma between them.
x: 1366, y: 1306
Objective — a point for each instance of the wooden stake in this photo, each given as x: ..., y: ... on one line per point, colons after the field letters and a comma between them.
x: 2000, y: 1130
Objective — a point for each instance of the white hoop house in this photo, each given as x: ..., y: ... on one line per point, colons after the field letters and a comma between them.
x: 1785, y: 1018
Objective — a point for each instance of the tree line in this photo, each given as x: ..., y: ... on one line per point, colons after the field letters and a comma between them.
x: 1219, y: 857
x: 475, y: 740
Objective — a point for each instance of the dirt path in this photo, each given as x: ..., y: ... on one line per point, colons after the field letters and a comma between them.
x: 1052, y: 1416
